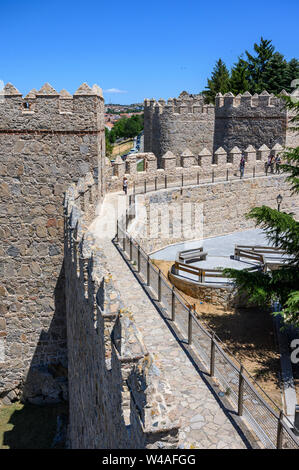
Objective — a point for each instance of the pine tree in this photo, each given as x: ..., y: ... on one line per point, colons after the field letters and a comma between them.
x: 292, y: 74
x: 239, y: 77
x: 275, y: 75
x: 282, y: 229
x: 257, y: 65
x: 219, y: 82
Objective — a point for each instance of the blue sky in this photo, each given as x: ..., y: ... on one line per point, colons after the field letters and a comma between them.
x: 145, y: 49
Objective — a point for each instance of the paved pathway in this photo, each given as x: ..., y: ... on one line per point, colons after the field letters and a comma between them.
x: 204, y: 423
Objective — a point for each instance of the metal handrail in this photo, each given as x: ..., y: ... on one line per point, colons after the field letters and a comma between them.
x: 280, y: 417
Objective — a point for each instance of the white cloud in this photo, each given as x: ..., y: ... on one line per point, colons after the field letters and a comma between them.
x: 115, y: 90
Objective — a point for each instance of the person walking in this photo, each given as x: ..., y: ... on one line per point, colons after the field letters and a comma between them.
x: 277, y: 164
x: 125, y: 185
x: 242, y: 167
x: 272, y: 164
x: 268, y: 164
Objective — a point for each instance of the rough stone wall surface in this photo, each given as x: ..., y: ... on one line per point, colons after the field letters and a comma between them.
x: 242, y: 120
x: 116, y: 390
x: 222, y: 211
x: 249, y: 120
x: 183, y: 122
x: 47, y: 140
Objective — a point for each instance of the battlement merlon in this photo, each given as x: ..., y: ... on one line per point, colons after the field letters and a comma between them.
x: 178, y: 106
x: 264, y: 103
x: 47, y: 110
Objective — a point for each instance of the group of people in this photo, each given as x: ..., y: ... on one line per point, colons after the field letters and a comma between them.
x: 273, y: 163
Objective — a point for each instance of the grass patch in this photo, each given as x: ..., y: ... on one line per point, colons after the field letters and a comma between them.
x: 25, y: 426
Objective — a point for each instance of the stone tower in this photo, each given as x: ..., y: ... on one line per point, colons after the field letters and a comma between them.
x: 180, y: 123
x: 47, y: 140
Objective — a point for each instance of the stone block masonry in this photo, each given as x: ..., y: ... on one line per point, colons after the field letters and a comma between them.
x: 119, y: 397
x: 47, y: 140
x: 180, y: 123
x: 224, y: 205
x: 235, y: 121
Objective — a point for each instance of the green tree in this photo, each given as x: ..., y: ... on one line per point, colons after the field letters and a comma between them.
x: 108, y: 145
x: 276, y: 74
x: 282, y: 229
x: 239, y: 80
x: 257, y: 65
x: 219, y: 82
x: 292, y: 74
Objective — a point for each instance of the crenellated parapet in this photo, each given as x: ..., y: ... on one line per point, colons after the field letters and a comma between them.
x: 242, y: 120
x: 247, y: 119
x: 48, y: 110
x: 246, y: 101
x: 202, y: 166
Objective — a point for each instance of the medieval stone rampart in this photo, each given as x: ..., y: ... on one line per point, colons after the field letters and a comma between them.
x: 117, y: 391
x: 191, y: 169
x: 47, y: 140
x: 181, y: 122
x: 242, y: 120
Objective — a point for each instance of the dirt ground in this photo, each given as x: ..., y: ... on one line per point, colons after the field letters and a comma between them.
x: 248, y: 335
x: 119, y: 149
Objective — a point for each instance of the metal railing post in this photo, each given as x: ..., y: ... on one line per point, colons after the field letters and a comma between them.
x: 241, y: 392
x: 253, y: 172
x: 138, y: 258
x: 212, y: 358
x: 227, y: 174
x: 172, y: 305
x: 147, y: 271
x: 124, y: 242
x: 145, y: 186
x: 279, y: 431
x: 198, y: 177
x: 117, y: 235
x: 182, y: 180
x: 156, y: 183
x: 190, y: 326
x: 165, y: 181
x: 159, y: 286
x: 213, y: 176
x: 130, y: 254
x: 134, y: 188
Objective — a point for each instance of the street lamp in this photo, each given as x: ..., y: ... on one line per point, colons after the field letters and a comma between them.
x: 279, y: 201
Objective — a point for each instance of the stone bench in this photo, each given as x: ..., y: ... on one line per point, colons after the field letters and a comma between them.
x: 196, y: 254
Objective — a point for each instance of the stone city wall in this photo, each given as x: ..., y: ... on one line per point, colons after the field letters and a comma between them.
x: 118, y: 396
x: 180, y: 123
x: 244, y: 120
x: 47, y: 140
x: 192, y: 169
x: 215, y: 209
x: 235, y: 121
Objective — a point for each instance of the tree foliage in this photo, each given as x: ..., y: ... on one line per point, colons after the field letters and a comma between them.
x: 264, y: 69
x: 282, y: 230
x: 219, y: 82
x: 127, y: 127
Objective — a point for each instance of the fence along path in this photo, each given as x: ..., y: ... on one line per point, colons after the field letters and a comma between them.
x: 204, y: 423
x: 268, y: 421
